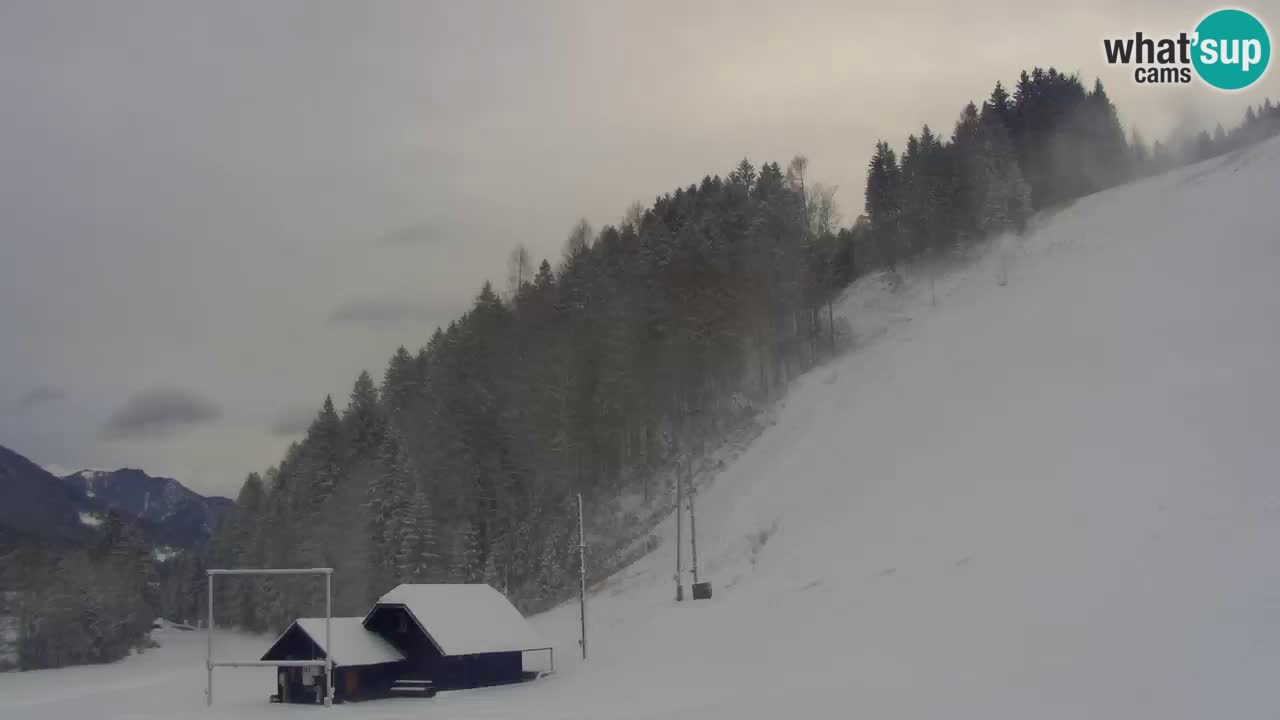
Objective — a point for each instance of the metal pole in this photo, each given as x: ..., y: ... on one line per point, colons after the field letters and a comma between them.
x: 582, y: 572
x: 679, y: 525
x: 328, y: 638
x: 269, y: 571
x: 326, y: 663
x: 208, y: 659
x: 269, y: 663
x: 693, y: 529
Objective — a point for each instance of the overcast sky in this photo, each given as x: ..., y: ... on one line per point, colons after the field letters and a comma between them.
x: 214, y: 213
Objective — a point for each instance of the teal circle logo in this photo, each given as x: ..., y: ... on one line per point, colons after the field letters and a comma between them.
x: 1232, y: 49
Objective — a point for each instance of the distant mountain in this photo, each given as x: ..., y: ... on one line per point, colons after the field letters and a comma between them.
x: 173, y: 514
x: 36, y: 505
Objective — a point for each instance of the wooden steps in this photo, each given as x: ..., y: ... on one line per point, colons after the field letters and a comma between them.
x: 423, y: 688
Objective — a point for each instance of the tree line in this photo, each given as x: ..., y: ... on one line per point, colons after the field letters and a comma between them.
x: 644, y: 344
x: 647, y: 342
x: 1257, y: 125
x: 1049, y: 142
x: 72, y: 606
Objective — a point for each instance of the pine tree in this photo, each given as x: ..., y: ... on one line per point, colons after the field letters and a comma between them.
x: 399, y: 385
x: 390, y: 513
x: 1107, y: 142
x: 973, y: 173
x: 362, y: 422
x: 409, y: 551
x: 1142, y: 159
x: 744, y: 175
x: 1000, y: 105
x: 467, y: 564
x: 420, y: 517
x: 1006, y: 202
x: 324, y: 443
x: 1204, y: 148
x: 490, y: 575
x: 884, y: 201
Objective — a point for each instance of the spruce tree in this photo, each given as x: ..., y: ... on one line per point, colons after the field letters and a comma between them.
x: 884, y: 201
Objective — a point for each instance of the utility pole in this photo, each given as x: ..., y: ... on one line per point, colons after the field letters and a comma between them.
x: 582, y: 575
x: 208, y: 656
x: 328, y: 639
x: 693, y: 531
x: 679, y: 541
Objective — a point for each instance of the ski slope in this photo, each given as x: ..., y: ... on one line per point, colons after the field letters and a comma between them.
x: 1057, y: 498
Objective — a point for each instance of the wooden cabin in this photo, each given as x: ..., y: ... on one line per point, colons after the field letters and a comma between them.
x: 416, y: 639
x: 364, y: 664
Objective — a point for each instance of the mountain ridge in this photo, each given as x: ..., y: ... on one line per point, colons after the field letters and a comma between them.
x: 44, y: 507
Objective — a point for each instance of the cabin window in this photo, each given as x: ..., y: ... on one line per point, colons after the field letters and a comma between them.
x: 402, y: 623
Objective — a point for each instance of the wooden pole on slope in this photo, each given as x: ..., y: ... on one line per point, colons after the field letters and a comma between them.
x: 679, y: 541
x: 582, y: 575
x: 693, y: 533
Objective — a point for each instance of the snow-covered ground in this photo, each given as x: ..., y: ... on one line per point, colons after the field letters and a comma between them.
x: 1057, y: 498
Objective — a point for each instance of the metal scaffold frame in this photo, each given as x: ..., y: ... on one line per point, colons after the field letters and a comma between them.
x: 326, y: 663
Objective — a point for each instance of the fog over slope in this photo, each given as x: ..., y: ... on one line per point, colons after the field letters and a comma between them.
x: 1053, y: 498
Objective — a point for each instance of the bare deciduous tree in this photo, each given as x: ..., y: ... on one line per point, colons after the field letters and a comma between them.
x: 519, y: 269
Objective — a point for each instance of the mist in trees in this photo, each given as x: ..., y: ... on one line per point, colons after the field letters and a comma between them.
x: 1258, y: 124
x: 1047, y: 142
x: 646, y: 342
x: 460, y: 464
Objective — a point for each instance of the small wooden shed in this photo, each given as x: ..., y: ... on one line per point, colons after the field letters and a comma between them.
x: 364, y: 664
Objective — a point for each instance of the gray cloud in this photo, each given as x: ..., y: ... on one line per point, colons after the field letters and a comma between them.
x: 382, y: 313
x: 39, y: 396
x: 293, y: 421
x: 418, y: 234
x: 159, y: 412
x: 401, y: 154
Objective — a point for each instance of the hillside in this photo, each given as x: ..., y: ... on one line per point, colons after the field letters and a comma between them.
x: 177, y: 516
x: 37, y: 505
x: 42, y: 507
x: 1054, y: 498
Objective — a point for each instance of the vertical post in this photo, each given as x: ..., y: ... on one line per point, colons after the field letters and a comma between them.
x: 679, y: 525
x: 328, y: 638
x: 208, y: 657
x: 582, y: 572
x: 693, y: 529
x: 831, y: 320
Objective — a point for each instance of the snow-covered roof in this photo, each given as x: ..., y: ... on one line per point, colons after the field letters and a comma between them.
x: 465, y: 619
x: 352, y: 644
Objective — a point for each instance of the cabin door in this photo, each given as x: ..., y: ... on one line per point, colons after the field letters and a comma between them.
x: 351, y: 682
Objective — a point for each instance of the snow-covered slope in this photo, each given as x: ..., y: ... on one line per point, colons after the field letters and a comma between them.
x: 1057, y: 498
